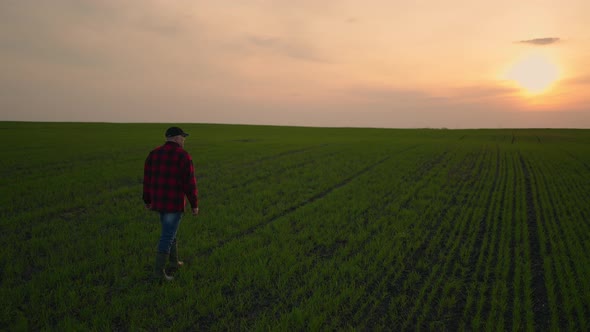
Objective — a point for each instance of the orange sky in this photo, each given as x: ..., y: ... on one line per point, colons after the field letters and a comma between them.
x: 363, y: 63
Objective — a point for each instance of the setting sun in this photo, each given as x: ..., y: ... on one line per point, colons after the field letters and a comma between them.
x: 534, y: 73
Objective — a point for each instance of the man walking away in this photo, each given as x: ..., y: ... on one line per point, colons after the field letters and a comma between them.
x: 168, y: 181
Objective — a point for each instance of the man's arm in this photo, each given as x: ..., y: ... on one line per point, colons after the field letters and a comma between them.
x: 147, y: 178
x: 190, y: 185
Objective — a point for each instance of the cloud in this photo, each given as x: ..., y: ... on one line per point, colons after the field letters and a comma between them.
x: 540, y: 41
x: 480, y: 92
x: 483, y: 93
x: 579, y: 80
x: 286, y: 47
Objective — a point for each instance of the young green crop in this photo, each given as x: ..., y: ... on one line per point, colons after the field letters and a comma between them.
x: 299, y: 229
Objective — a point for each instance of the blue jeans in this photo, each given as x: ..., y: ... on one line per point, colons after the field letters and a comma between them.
x: 170, y: 222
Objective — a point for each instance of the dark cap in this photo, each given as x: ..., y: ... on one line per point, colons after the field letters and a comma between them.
x: 175, y: 131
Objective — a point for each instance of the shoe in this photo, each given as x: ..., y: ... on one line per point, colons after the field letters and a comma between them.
x: 159, y: 271
x: 175, y: 264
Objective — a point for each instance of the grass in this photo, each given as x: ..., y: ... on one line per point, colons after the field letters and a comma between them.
x: 300, y: 228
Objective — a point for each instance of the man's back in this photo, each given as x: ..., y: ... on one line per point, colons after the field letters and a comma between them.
x: 169, y: 176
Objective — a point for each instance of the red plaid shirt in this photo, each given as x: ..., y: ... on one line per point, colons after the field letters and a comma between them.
x: 169, y: 176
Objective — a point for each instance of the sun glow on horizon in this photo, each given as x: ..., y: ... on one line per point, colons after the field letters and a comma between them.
x: 536, y: 74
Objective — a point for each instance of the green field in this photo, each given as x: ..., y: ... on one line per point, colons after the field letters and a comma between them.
x: 299, y: 229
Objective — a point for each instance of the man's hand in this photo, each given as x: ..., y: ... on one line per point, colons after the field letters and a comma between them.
x: 148, y: 206
x: 195, y: 211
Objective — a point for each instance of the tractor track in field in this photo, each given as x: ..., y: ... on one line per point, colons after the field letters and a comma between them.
x: 280, y: 170
x: 42, y: 171
x: 372, y: 288
x: 492, y: 250
x: 395, y: 284
x: 420, y: 174
x: 509, y: 313
x: 293, y: 208
x: 501, y: 225
x: 576, y: 158
x: 542, y: 314
x: 237, y: 165
x: 338, y: 244
x: 454, y: 314
x: 276, y: 156
x: 412, y: 320
x: 121, y: 187
x: 126, y: 184
x: 450, y: 263
x: 321, y: 258
x: 475, y: 272
x: 323, y: 253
